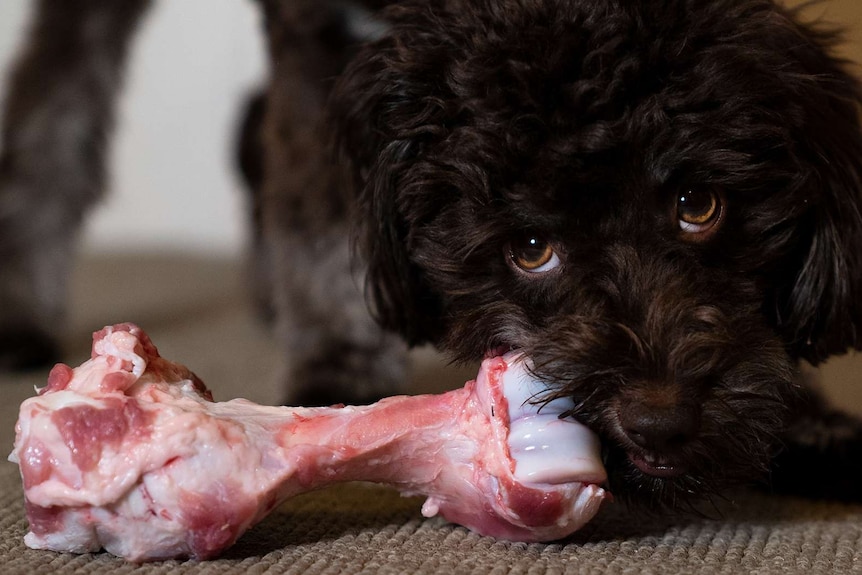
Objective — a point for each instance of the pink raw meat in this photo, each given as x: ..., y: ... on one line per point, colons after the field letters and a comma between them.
x: 129, y: 453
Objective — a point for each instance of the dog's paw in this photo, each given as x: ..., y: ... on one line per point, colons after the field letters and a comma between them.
x: 25, y: 347
x: 822, y: 459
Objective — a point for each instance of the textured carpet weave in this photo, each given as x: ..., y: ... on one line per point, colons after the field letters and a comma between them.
x: 196, y: 315
x: 370, y: 530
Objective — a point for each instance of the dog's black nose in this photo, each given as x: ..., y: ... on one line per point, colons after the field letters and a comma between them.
x: 659, y: 429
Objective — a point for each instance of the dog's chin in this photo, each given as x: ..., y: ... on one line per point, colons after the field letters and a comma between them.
x: 656, y: 482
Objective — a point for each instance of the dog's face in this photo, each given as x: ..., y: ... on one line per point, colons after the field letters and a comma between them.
x: 659, y: 201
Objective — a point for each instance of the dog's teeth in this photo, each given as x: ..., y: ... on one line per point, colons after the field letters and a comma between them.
x: 545, y: 448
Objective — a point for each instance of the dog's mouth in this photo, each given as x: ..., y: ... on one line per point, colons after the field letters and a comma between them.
x: 650, y: 463
x: 654, y: 465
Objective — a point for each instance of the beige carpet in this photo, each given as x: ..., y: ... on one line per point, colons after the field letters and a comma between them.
x: 197, y: 314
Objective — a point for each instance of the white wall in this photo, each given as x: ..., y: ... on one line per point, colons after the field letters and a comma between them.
x: 13, y: 22
x: 173, y: 185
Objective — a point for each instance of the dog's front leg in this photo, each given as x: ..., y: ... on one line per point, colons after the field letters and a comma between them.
x: 57, y: 118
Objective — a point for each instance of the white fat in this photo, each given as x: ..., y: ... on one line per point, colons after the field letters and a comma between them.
x: 57, y: 400
x: 122, y: 344
x: 544, y: 447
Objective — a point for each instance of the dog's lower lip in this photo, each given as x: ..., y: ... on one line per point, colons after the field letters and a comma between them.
x: 656, y: 466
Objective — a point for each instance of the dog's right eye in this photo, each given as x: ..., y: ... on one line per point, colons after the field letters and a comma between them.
x: 533, y: 254
x: 698, y: 211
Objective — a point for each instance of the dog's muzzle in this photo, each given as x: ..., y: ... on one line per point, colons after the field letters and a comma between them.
x: 655, y: 434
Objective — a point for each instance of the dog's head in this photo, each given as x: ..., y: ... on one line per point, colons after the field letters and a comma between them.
x: 658, y: 200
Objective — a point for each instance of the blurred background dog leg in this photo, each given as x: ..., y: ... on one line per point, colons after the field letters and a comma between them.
x: 57, y: 122
x: 334, y: 351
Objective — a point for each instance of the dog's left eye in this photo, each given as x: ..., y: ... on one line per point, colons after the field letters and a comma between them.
x: 533, y: 254
x: 697, y: 211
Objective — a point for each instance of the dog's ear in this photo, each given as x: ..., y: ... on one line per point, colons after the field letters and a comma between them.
x: 820, y: 307
x: 380, y: 115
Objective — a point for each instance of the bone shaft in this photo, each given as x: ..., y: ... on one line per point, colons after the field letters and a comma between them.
x: 350, y: 444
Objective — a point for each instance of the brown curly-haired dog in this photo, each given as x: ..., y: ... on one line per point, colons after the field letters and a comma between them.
x: 659, y: 200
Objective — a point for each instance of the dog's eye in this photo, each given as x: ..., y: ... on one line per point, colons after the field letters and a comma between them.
x: 697, y: 211
x: 533, y: 254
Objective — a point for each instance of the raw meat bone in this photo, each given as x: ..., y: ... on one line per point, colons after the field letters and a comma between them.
x: 128, y: 453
